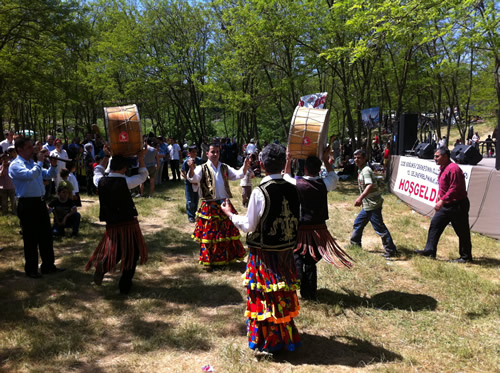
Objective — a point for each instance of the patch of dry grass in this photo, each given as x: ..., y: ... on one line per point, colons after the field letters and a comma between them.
x: 407, y: 314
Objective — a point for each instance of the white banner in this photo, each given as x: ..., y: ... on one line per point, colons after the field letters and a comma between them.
x: 418, y: 179
x: 315, y: 101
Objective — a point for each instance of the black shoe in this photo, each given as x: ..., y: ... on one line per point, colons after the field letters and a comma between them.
x: 52, y: 270
x: 33, y: 274
x: 428, y: 253
x: 391, y: 254
x: 125, y: 287
x: 460, y: 260
x: 98, y: 274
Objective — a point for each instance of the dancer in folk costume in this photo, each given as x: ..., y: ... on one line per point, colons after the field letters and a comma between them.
x: 219, y: 239
x: 123, y: 240
x: 314, y: 239
x: 271, y: 276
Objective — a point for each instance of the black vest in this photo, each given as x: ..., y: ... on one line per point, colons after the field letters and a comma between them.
x: 313, y: 201
x: 115, y: 200
x: 278, y: 226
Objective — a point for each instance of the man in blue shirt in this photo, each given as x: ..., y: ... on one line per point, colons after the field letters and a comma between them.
x: 28, y: 177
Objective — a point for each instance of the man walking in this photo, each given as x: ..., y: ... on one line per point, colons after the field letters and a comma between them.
x: 453, y: 206
x: 371, y: 200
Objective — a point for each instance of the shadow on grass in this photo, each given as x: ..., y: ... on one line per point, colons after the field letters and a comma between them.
x: 191, y: 292
x: 171, y: 242
x: 348, y: 187
x: 155, y: 335
x: 336, y: 350
x: 387, y: 300
x: 487, y: 262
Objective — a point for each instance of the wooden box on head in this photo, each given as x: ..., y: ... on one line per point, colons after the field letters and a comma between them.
x: 308, y: 132
x: 123, y: 126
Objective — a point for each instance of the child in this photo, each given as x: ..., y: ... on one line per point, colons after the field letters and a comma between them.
x: 97, y: 160
x: 74, y: 182
x: 64, y: 179
x: 65, y: 214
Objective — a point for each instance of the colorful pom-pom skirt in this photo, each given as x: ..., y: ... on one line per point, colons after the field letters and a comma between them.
x: 218, y: 237
x: 271, y: 304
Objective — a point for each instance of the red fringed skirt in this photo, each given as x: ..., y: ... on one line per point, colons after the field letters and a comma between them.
x: 271, y: 301
x: 125, y: 238
x: 317, y: 240
x: 218, y: 237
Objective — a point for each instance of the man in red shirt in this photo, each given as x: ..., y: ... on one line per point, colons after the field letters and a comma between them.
x: 452, y: 206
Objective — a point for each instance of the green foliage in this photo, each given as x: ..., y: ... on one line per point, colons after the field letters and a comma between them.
x: 243, y: 63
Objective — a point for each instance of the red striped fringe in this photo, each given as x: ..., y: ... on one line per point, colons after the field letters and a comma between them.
x: 126, y: 236
x: 317, y: 239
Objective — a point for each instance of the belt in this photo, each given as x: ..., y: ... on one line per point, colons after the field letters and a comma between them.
x: 454, y: 203
x: 29, y: 199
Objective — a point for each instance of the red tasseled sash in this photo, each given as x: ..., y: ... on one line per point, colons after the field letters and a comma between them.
x: 128, y: 237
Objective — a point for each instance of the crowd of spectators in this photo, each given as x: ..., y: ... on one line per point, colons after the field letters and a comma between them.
x: 77, y: 159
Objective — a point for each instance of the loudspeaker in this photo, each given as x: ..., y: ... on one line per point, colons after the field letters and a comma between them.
x: 466, y: 154
x: 407, y: 134
x: 424, y: 150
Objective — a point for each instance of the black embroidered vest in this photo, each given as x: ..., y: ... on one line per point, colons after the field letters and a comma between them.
x: 278, y: 226
x: 207, y: 183
x: 116, y: 204
x: 313, y: 201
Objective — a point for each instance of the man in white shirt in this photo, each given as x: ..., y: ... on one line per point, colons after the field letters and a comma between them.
x: 8, y: 141
x: 123, y: 240
x: 251, y: 147
x: 49, y: 145
x: 59, y: 152
x: 271, y: 278
x: 175, y: 157
x: 314, y: 240
x: 218, y: 237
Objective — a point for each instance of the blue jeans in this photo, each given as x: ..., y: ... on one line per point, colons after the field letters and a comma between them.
x: 72, y: 222
x: 374, y: 217
x: 191, y: 201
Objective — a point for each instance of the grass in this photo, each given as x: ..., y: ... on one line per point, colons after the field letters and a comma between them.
x: 405, y: 315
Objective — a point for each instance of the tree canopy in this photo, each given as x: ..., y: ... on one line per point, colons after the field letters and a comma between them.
x: 238, y: 68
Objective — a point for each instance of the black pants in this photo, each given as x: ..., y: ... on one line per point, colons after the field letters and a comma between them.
x: 125, y: 283
x: 37, y: 234
x: 174, y: 166
x: 458, y: 215
x: 307, y: 274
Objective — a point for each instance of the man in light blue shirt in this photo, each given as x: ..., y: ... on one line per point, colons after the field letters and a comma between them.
x: 27, y: 177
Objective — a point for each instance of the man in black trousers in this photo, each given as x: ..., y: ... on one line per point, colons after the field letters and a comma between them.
x: 453, y: 206
x: 28, y: 177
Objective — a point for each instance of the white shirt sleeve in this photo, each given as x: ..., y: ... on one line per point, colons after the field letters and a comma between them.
x: 136, y: 180
x: 331, y: 180
x: 235, y: 174
x: 196, y: 175
x: 98, y: 174
x: 256, y: 205
x: 289, y: 179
